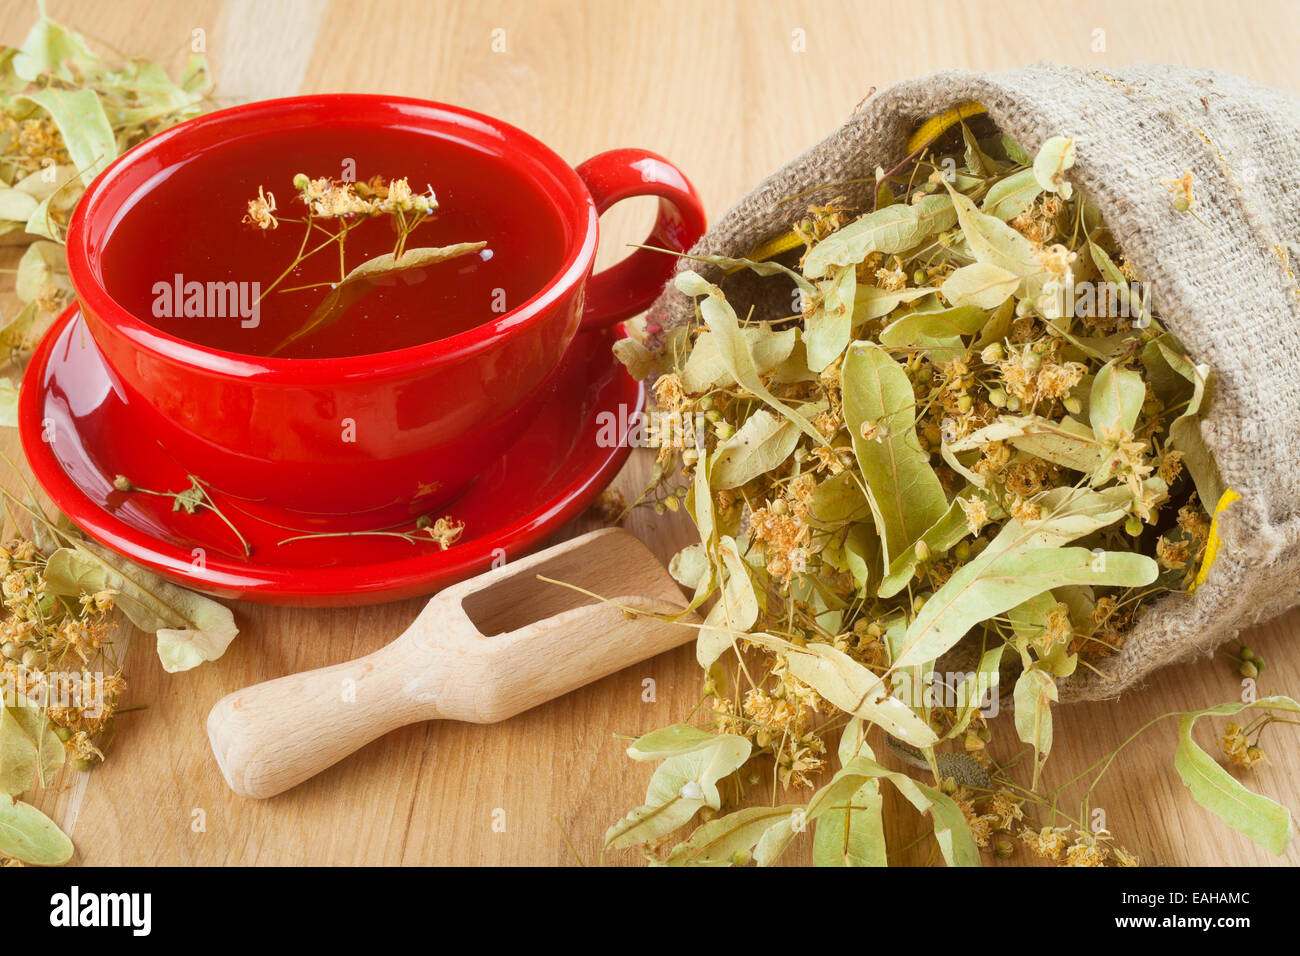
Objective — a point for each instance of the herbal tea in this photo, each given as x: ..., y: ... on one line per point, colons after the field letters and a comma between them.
x: 245, y: 258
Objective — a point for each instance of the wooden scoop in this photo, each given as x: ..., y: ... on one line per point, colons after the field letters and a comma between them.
x: 480, y: 651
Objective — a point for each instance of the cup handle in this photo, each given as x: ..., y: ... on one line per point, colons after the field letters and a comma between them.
x: 627, y: 288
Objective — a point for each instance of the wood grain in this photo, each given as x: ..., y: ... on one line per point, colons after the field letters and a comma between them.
x: 723, y: 90
x: 481, y: 651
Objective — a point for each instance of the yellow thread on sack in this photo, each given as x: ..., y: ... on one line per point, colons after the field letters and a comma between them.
x: 931, y: 129
x: 771, y: 249
x: 936, y: 126
x: 1212, y: 542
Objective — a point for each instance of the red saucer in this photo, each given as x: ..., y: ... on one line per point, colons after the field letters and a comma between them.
x: 548, y: 477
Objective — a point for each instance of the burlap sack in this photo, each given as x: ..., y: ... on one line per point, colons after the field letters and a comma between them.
x: 1223, y: 280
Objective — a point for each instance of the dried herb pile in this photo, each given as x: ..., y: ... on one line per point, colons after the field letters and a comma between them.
x: 65, y: 113
x: 955, y: 473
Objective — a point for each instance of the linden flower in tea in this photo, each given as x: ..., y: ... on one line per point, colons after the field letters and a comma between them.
x: 261, y: 211
x: 347, y: 205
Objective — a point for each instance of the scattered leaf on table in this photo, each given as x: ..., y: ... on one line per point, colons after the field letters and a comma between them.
x: 27, y: 834
x: 30, y: 751
x: 1035, y: 693
x: 1266, y: 822
x: 190, y: 628
x: 680, y: 786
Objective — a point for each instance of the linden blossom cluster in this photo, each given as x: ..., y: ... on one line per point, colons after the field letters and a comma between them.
x: 974, y: 443
x: 330, y: 199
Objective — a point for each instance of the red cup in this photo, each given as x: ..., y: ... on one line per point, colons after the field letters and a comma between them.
x: 427, y: 419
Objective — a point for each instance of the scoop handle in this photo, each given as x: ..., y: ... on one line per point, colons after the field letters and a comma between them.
x: 274, y: 735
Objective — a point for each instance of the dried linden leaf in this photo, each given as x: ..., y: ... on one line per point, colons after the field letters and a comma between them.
x: 981, y: 285
x: 736, y: 610
x: 1115, y: 402
x: 1055, y: 157
x: 878, y: 397
x: 997, y: 581
x: 8, y: 404
x: 1008, y: 198
x: 30, y: 751
x: 736, y: 353
x: 361, y: 281
x: 890, y: 230
x: 1034, y: 695
x: 1264, y: 821
x: 49, y: 48
x: 761, y: 445
x: 680, y: 787
x: 27, y: 834
x: 724, y: 840
x: 190, y: 628
x: 636, y: 358
x: 86, y: 133
x: 829, y: 328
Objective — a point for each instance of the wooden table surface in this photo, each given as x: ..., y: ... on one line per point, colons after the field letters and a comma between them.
x: 729, y: 90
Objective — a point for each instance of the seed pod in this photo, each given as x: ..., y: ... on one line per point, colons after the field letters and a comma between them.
x: 1133, y: 526
x: 997, y: 397
x: 122, y: 483
x: 992, y: 354
x: 1248, y: 669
